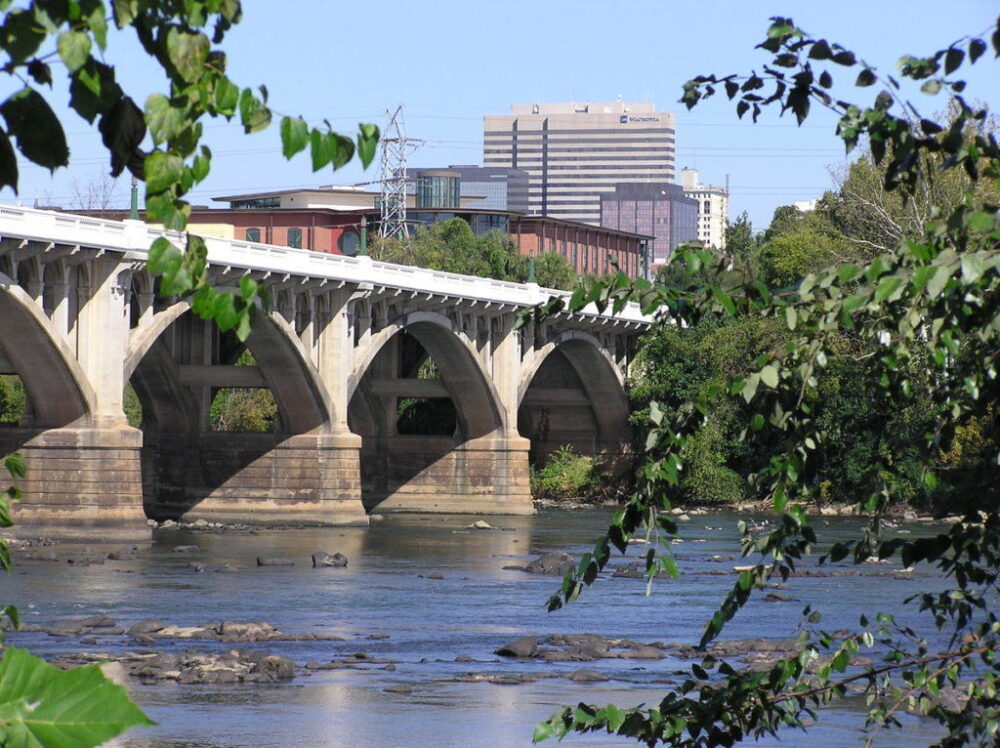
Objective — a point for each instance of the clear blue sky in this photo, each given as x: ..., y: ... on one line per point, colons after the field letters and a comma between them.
x: 450, y: 62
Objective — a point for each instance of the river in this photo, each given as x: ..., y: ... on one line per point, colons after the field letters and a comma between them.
x: 429, y: 590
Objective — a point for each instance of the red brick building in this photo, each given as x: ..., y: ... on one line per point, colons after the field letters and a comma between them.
x: 587, y: 248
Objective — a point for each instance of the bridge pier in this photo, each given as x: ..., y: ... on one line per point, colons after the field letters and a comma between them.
x: 488, y: 475
x: 78, y: 476
x: 254, y: 477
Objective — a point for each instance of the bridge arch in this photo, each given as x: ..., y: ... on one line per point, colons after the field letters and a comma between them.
x: 442, y: 465
x: 30, y: 342
x: 572, y: 393
x: 304, y: 404
x: 469, y: 386
x: 177, y: 364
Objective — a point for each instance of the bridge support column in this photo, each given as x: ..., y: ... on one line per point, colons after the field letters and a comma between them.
x: 488, y: 475
x: 78, y: 476
x: 255, y: 477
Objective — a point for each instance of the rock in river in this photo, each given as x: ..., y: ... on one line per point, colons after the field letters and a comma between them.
x: 329, y: 559
x: 526, y: 646
x: 556, y: 563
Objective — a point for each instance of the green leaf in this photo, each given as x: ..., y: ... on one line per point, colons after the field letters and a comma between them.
x: 8, y: 163
x: 162, y: 171
x: 952, y: 60
x: 21, y: 35
x: 791, y: 317
x: 40, y: 136
x: 99, y: 25
x: 16, y: 465
x: 294, y: 135
x: 187, y: 52
x: 865, y: 78
x: 368, y: 136
x: 163, y: 256
x: 973, y: 267
x: 41, y: 705
x: 227, y: 97
x: 319, y: 149
x: 74, y: 49
x: 543, y: 731
x: 887, y: 286
x: 769, y: 376
x: 253, y: 114
x: 750, y: 385
x: 164, y: 120
x: 937, y: 283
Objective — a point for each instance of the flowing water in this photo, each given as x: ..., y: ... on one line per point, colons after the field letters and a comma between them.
x: 423, y: 624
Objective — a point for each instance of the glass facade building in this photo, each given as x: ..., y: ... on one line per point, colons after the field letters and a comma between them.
x: 437, y: 188
x: 658, y: 210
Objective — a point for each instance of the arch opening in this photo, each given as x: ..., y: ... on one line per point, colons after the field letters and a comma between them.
x: 217, y: 414
x: 575, y: 398
x: 421, y: 398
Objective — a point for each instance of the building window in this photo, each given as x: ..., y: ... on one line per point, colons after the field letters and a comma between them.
x: 295, y: 238
x: 256, y: 203
x: 253, y: 235
x: 708, y: 206
x: 349, y: 243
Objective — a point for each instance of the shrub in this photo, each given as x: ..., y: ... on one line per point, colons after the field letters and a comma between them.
x: 565, y: 475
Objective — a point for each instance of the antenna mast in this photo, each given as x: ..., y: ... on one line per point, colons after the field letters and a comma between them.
x: 393, y: 176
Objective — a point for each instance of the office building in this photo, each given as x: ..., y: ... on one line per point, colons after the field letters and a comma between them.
x: 658, y: 210
x: 575, y: 152
x: 486, y: 188
x: 713, y: 208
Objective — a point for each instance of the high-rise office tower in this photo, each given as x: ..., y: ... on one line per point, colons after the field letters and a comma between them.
x: 575, y: 152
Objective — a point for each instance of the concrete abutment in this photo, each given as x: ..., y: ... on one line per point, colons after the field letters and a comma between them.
x: 254, y: 477
x: 78, y: 476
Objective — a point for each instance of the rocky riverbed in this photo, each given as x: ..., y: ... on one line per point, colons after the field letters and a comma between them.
x: 389, y: 635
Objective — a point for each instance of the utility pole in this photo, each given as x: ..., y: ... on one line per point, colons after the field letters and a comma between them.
x: 395, y: 146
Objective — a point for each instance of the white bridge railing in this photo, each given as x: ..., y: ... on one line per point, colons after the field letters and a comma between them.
x: 135, y: 237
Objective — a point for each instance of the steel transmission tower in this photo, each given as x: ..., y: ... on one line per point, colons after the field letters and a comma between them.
x: 395, y: 146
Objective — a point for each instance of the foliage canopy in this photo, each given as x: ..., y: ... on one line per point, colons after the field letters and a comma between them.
x: 929, y: 309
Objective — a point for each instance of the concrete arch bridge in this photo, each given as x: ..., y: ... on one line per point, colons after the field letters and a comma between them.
x: 349, y: 349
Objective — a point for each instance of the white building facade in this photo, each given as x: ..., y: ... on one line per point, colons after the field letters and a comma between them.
x: 713, y: 208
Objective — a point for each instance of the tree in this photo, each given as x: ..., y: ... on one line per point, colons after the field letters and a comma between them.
x: 451, y: 246
x: 929, y: 307
x: 877, y: 219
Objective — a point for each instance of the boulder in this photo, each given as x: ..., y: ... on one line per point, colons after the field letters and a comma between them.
x: 272, y: 668
x: 479, y: 524
x: 587, y: 676
x: 125, y: 553
x: 555, y: 563
x: 145, y: 627
x: 66, y: 628
x: 526, y: 646
x: 187, y: 549
x: 249, y: 631
x: 328, y: 559
x: 98, y: 622
x: 642, y: 652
